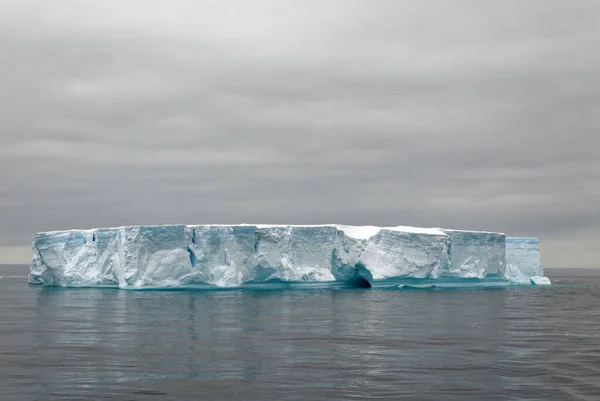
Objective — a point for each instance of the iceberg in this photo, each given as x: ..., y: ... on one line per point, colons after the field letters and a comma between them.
x: 271, y: 256
x: 523, y: 262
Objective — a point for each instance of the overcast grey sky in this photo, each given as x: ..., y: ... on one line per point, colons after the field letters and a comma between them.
x: 461, y: 114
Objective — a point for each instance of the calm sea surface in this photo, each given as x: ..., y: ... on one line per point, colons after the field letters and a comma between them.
x: 513, y: 344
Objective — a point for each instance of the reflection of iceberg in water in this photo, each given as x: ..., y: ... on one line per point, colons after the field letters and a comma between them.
x: 98, y: 341
x: 109, y: 339
x: 69, y: 324
x: 278, y: 256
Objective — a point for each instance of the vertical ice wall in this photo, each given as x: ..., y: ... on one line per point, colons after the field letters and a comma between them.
x: 235, y: 255
x: 394, y: 253
x: 475, y: 254
x: 523, y: 260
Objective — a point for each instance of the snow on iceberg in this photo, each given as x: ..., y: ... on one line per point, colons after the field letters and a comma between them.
x: 231, y: 256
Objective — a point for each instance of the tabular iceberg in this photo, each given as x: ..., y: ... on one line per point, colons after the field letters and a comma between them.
x: 231, y: 256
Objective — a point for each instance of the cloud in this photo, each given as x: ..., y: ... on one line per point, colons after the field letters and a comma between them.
x: 453, y: 115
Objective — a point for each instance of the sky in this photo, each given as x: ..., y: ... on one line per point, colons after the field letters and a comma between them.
x: 480, y: 115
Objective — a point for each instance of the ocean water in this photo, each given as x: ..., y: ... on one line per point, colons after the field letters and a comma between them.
x: 538, y: 343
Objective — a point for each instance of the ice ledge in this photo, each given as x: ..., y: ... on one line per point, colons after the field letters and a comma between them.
x: 540, y: 280
x: 231, y: 256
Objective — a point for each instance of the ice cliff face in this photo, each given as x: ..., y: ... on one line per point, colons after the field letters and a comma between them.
x: 523, y: 261
x: 476, y: 254
x: 240, y: 255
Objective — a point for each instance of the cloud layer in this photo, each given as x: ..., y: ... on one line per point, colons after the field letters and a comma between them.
x: 465, y: 114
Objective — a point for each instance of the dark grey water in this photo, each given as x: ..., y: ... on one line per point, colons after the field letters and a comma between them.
x: 513, y: 344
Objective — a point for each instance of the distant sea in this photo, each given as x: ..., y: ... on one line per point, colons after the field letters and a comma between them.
x: 535, y: 343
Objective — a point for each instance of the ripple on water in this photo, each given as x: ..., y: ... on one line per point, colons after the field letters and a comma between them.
x: 512, y: 344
